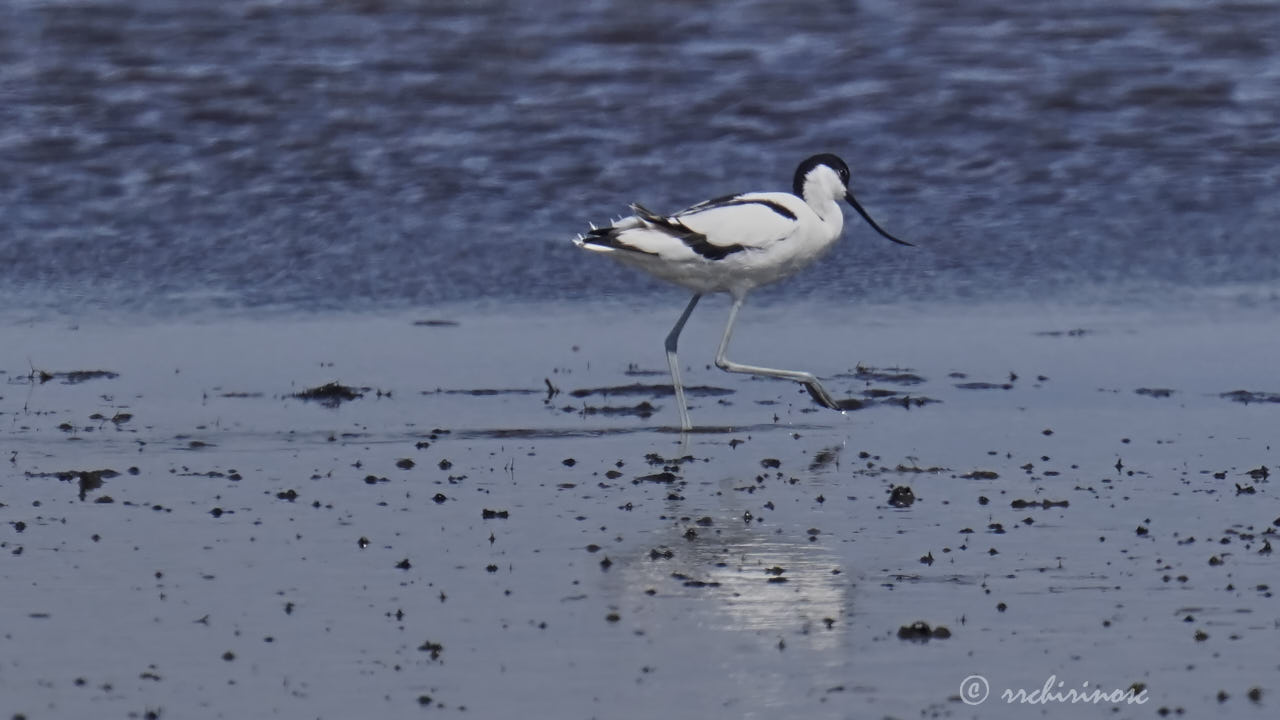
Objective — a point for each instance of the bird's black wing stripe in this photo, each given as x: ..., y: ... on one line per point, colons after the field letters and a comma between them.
x: 695, y: 241
x: 729, y: 200
x: 776, y: 207
x: 709, y: 251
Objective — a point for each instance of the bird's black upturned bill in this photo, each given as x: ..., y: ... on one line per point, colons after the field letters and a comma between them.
x: 872, y: 223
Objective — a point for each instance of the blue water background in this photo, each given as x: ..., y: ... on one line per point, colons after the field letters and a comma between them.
x: 164, y: 156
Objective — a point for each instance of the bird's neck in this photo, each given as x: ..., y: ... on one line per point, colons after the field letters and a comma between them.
x: 828, y: 211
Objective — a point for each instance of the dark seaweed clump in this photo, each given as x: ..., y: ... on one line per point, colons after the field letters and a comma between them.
x: 330, y: 395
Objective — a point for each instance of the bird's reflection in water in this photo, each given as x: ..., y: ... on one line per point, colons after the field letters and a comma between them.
x: 753, y: 579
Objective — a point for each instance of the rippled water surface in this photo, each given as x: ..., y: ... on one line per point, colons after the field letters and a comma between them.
x: 159, y: 155
x: 210, y: 212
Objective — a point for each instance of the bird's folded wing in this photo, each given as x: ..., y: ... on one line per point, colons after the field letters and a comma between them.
x: 750, y: 221
x: 712, y: 230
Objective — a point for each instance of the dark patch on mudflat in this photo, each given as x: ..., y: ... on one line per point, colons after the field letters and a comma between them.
x: 901, y: 496
x: 904, y: 401
x: 825, y: 458
x: 86, y: 480
x: 658, y: 390
x: 1246, y: 397
x: 1045, y: 504
x: 435, y: 323
x: 919, y: 631
x: 1077, y: 332
x: 641, y: 410
x: 636, y: 371
x: 665, y: 476
x: 898, y: 376
x: 1155, y: 392
x: 73, y: 377
x: 984, y: 386
x: 330, y: 395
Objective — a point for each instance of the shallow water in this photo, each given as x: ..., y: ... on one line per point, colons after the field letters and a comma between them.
x: 162, y: 157
x: 259, y: 554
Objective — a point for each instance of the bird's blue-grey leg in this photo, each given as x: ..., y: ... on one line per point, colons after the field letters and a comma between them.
x: 673, y: 362
x: 810, y: 382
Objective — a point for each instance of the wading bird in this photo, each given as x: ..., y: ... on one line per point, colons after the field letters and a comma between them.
x: 734, y: 244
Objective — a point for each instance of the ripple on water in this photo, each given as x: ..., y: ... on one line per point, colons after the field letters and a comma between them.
x: 324, y: 156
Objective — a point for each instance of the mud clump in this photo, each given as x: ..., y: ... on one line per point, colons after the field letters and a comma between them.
x: 1245, y: 397
x: 919, y: 631
x: 331, y: 394
x: 658, y: 390
x: 898, y: 376
x: 73, y: 377
x: 87, y: 480
x: 642, y: 410
x: 1045, y: 504
x: 984, y: 386
x: 901, y: 496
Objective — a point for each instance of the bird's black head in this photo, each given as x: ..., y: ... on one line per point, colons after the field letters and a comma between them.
x: 831, y: 161
x: 841, y: 170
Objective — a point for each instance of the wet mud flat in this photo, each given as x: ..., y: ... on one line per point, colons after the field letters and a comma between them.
x: 355, y: 516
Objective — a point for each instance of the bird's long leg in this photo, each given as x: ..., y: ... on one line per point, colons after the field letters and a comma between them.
x: 673, y: 362
x: 810, y: 382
